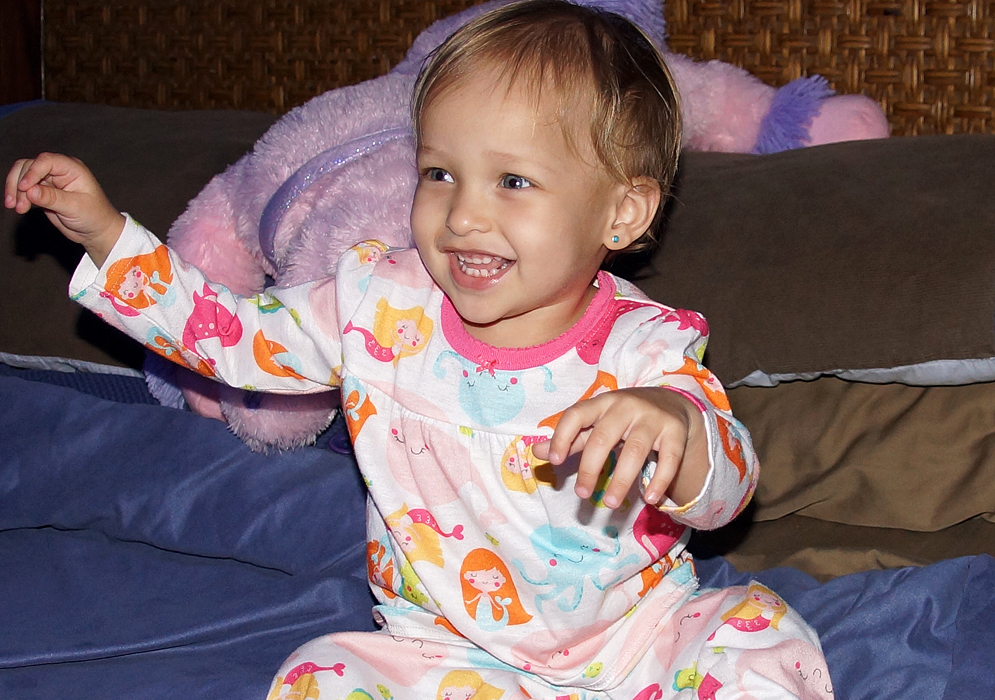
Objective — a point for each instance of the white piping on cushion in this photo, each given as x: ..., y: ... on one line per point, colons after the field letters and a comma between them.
x: 64, y: 364
x: 932, y: 373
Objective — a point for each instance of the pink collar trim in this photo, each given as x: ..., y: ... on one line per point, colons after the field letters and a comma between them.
x: 514, y: 359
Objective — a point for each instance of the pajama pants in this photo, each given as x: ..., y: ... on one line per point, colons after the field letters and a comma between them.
x: 741, y: 642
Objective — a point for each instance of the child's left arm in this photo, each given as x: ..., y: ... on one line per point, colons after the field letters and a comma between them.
x: 668, y: 403
x: 643, y: 420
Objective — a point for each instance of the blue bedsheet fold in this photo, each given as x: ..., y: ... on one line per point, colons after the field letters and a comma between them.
x: 172, y: 480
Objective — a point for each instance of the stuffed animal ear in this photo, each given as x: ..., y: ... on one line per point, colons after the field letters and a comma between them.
x: 310, y: 174
x: 366, y: 197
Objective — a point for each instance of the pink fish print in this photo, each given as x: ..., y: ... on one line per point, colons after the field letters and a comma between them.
x: 210, y: 319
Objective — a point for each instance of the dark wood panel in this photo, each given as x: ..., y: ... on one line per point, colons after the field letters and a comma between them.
x: 20, y: 50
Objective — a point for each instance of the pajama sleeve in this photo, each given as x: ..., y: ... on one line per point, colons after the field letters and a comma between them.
x: 667, y: 351
x: 282, y: 340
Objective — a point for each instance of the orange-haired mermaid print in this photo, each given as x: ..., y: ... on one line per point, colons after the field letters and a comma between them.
x: 489, y: 594
x: 140, y: 282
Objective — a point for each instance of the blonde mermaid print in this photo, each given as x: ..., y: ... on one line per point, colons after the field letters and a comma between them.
x: 489, y: 593
x: 762, y: 609
x: 300, y: 682
x: 417, y: 533
x: 369, y: 252
x: 396, y: 332
x: 466, y: 685
x: 521, y: 470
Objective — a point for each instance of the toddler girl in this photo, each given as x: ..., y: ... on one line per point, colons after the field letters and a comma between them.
x: 537, y: 436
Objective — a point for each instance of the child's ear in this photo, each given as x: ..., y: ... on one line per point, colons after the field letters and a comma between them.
x: 634, y: 212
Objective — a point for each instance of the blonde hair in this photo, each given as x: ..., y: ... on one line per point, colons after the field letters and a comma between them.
x: 385, y: 327
x: 542, y: 471
x: 468, y: 679
x: 635, y: 124
x: 749, y: 610
x: 424, y: 539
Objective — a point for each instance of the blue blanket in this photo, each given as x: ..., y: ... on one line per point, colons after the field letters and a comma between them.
x: 145, y: 553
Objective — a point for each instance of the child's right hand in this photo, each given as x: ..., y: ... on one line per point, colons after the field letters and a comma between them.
x: 71, y: 197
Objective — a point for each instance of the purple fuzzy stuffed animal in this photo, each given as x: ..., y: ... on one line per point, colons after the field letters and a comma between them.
x: 339, y: 169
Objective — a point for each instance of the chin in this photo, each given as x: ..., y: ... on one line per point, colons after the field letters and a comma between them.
x: 479, y: 320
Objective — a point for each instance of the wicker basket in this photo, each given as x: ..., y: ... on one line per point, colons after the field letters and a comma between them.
x: 929, y: 63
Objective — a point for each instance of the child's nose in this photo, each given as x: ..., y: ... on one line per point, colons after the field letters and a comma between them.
x: 467, y: 212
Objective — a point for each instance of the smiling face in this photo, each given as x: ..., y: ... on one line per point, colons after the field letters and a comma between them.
x: 407, y: 335
x: 489, y: 581
x: 510, y: 219
x: 462, y: 693
x: 133, y: 283
x: 767, y: 600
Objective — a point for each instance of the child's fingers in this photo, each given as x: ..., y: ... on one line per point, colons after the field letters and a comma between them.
x: 636, y: 448
x: 47, y: 197
x: 668, y: 461
x: 28, y: 175
x: 603, y: 437
x: 541, y: 450
x: 61, y: 171
x: 12, y: 196
x: 568, y: 429
x: 35, y: 170
x: 51, y: 181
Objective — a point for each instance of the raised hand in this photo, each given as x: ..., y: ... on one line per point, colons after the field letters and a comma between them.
x: 643, y: 420
x: 71, y: 197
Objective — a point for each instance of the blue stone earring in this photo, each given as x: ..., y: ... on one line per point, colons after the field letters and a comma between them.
x: 614, y: 239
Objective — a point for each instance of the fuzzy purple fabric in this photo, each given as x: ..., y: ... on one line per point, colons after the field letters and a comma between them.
x: 787, y: 122
x: 160, y: 378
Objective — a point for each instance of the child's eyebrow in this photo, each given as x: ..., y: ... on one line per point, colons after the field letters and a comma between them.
x: 512, y: 160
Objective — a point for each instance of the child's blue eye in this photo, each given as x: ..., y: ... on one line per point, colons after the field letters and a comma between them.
x: 437, y: 175
x: 515, y: 182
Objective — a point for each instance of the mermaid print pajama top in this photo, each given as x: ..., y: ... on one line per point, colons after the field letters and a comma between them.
x: 473, y: 543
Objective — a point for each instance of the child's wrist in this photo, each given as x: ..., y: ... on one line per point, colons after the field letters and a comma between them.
x: 99, y: 245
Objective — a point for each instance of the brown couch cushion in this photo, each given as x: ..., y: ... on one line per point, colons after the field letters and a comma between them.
x: 891, y: 456
x: 856, y: 255
x: 826, y: 550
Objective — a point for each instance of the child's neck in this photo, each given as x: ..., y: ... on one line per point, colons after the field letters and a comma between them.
x: 533, y: 328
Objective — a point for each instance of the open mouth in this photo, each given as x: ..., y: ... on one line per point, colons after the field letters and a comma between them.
x: 483, y: 266
x: 478, y: 271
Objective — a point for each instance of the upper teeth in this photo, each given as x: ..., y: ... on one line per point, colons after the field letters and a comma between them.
x: 476, y: 259
x: 499, y: 264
